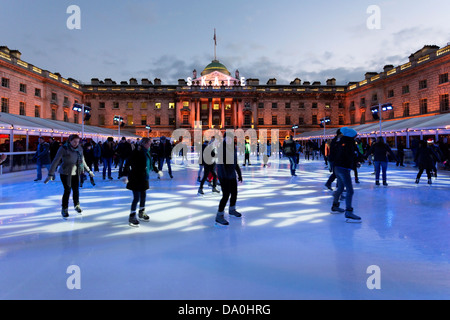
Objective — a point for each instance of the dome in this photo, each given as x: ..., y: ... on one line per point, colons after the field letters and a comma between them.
x: 215, y: 65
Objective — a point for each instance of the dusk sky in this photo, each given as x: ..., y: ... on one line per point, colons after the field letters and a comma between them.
x: 311, y: 40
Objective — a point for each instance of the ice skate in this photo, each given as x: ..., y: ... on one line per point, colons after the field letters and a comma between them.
x: 214, y: 190
x: 350, y: 217
x: 200, y: 192
x: 335, y: 208
x: 143, y: 216
x: 234, y: 212
x: 65, y: 213
x: 132, y: 221
x: 78, y: 209
x: 220, y: 219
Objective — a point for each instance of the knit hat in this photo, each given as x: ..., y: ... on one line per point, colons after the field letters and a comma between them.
x: 349, y: 132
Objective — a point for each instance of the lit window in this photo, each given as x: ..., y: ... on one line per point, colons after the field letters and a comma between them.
x: 171, y: 105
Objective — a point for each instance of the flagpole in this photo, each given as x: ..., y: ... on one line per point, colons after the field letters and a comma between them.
x: 215, y: 44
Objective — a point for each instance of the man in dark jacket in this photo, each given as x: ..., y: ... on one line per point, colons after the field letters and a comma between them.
x: 344, y: 160
x: 380, y: 150
x: 42, y: 157
x: 123, y: 151
x: 165, y: 154
x: 228, y: 170
x: 290, y: 151
x: 107, y: 155
x: 331, y: 158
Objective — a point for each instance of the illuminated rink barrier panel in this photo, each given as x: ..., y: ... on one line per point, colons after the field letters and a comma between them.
x: 287, y: 245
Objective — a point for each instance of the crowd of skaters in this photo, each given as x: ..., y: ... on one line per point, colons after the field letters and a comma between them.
x: 78, y: 159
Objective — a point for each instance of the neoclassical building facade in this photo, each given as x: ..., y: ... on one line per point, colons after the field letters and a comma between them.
x: 217, y: 98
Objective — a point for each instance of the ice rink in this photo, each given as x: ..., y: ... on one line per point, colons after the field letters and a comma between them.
x: 287, y: 245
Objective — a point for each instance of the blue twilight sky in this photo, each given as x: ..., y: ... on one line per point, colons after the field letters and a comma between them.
x: 311, y: 40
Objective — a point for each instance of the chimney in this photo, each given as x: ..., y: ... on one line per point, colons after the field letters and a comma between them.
x: 133, y: 81
x: 369, y: 75
x: 157, y: 82
x: 95, y: 81
x: 316, y: 83
x: 272, y: 82
x: 331, y: 82
x: 388, y: 67
x: 16, y: 54
x: 296, y: 81
x: 146, y: 82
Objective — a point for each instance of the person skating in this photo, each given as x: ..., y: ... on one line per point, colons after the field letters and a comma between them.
x: 247, y: 154
x: 209, y: 163
x: 228, y: 170
x: 107, y: 156
x: 137, y: 175
x: 42, y: 157
x: 380, y: 151
x: 343, y: 164
x: 72, y: 166
x: 425, y: 158
x: 290, y: 151
x: 331, y: 158
x: 165, y: 155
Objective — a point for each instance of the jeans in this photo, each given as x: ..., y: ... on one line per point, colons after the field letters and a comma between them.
x: 70, y: 183
x: 138, y: 196
x: 107, y: 163
x: 229, y: 191
x: 209, y: 169
x: 383, y: 165
x: 344, y: 181
x: 161, y: 163
x: 293, y: 162
x: 39, y: 169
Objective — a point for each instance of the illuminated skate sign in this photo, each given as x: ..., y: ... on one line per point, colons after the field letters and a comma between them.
x: 216, y: 79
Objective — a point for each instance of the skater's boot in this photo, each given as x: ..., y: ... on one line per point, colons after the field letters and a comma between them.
x: 220, y: 219
x: 133, y: 221
x: 377, y: 183
x: 335, y: 208
x: 417, y: 181
x: 65, y: 213
x: 143, y: 216
x: 351, y: 217
x: 200, y: 191
x: 385, y: 183
x: 429, y: 181
x: 234, y: 212
x: 92, y: 181
x: 78, y: 208
x: 214, y: 190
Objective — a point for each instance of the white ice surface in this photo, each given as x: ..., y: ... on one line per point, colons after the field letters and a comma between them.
x: 286, y: 246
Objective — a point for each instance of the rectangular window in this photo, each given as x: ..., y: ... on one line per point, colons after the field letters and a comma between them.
x: 157, y: 121
x: 66, y: 101
x: 352, y: 118
x: 301, y: 121
x: 101, y: 119
x: 406, y: 109
x: 130, y: 106
x: 274, y: 120
x: 391, y: 93
x: 423, y: 84
x: 260, y: 121
x: 185, y: 119
x: 130, y: 121
x: 143, y: 105
x: 341, y: 105
x: 443, y: 78
x: 288, y: 120
x: 423, y: 106
x: 216, y: 106
x: 287, y: 105
x: 116, y: 105
x: 314, y: 105
x: 101, y: 105
x: 443, y: 102
x: 22, y: 108
x: 37, y: 111
x: 374, y: 97
x: 5, y: 82
x: 261, y: 105
x: 204, y: 106
x: 363, y: 102
x: 37, y: 92
x: 171, y: 121
x: 143, y: 120
x: 228, y: 121
x: 54, y: 97
x: 23, y: 88
x: 274, y: 105
x: 228, y: 107
x: 66, y: 117
x: 53, y: 114
x: 327, y: 105
x: 75, y: 117
x: 158, y: 105
x: 172, y: 105
x: 5, y: 105
x: 341, y: 119
x: 247, y: 120
x: 405, y: 89
x: 314, y: 119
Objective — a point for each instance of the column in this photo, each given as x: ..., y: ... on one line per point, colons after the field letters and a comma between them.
x: 197, y: 109
x: 234, y: 108
x: 192, y: 104
x: 210, y: 107
x: 222, y: 109
x: 178, y: 106
x: 254, y: 114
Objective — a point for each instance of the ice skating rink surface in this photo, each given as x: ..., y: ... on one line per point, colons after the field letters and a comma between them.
x: 287, y: 245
